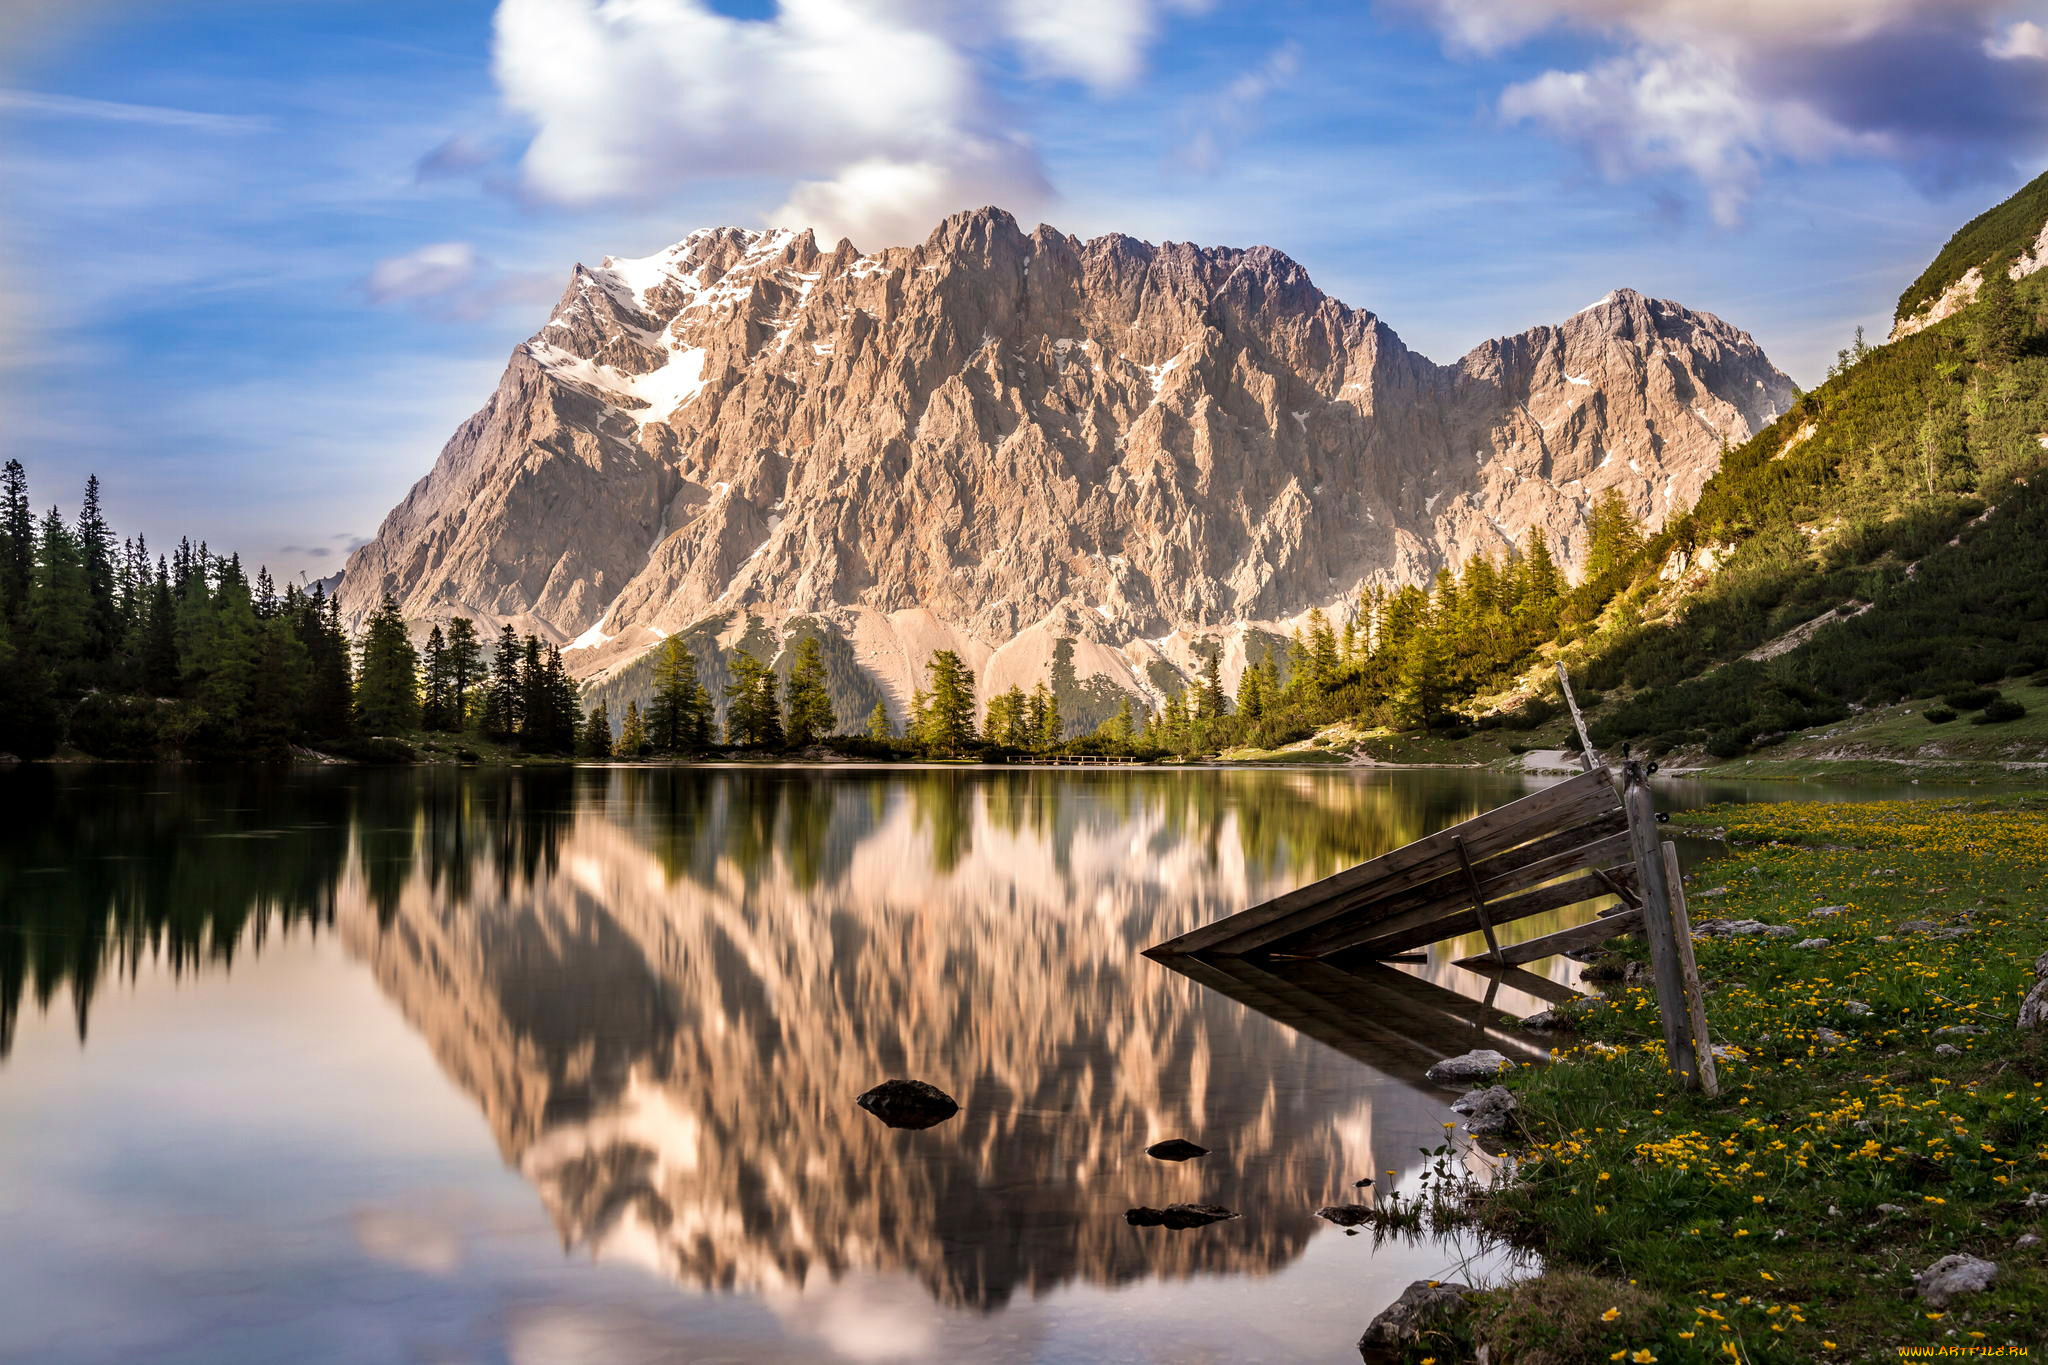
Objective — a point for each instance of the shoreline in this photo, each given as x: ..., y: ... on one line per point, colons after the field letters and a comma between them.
x: 1881, y: 1110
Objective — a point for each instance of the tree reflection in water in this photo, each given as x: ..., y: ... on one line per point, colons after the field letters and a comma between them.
x: 664, y: 987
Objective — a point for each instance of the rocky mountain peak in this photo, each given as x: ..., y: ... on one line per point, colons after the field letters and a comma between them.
x: 993, y: 441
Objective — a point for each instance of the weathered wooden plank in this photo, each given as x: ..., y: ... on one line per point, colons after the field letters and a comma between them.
x: 1505, y: 871
x: 1610, y: 851
x: 1657, y: 929
x: 1566, y: 803
x: 1689, y: 974
x: 1562, y: 941
x: 1527, y: 982
x: 1553, y: 897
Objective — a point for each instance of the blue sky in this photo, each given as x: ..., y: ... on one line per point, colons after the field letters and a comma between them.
x: 258, y: 259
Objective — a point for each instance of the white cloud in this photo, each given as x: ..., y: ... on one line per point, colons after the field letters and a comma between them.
x: 454, y: 279
x: 439, y: 268
x: 2021, y: 41
x: 876, y: 115
x: 1721, y: 90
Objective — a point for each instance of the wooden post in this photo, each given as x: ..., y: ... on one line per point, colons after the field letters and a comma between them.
x: 1564, y: 680
x: 1666, y: 975
x: 1478, y: 899
x: 1689, y: 974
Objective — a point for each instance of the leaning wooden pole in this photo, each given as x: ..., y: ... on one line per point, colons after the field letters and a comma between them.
x: 1659, y: 927
x: 1689, y: 973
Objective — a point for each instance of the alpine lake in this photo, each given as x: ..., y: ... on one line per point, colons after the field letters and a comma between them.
x: 537, y: 1066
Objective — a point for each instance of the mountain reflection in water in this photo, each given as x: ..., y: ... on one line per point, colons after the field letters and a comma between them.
x: 664, y: 987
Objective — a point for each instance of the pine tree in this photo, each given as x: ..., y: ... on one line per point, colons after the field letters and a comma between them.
x: 96, y: 553
x: 679, y: 718
x: 1251, y: 691
x: 1049, y: 731
x: 17, y: 545
x: 1209, y: 702
x: 806, y: 705
x: 551, y: 714
x: 632, y: 734
x: 879, y: 728
x: 465, y: 669
x: 157, y: 655
x: 437, y: 709
x: 948, y: 719
x: 280, y: 677
x: 387, y: 674
x: 596, y: 740
x: 1613, y: 536
x: 751, y: 715
x: 59, y: 603
x: 501, y: 716
x: 1423, y: 682
x: 327, y: 709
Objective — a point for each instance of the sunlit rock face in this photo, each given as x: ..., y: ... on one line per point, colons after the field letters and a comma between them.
x: 666, y: 1002
x: 995, y: 440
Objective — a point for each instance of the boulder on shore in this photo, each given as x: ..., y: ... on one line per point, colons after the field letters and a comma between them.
x: 1345, y: 1215
x: 909, y: 1104
x: 1425, y: 1308
x: 1489, y: 1111
x: 1480, y: 1064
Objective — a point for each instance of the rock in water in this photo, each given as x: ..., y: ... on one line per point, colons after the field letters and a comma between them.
x: 1424, y: 1308
x: 1488, y: 1111
x: 909, y: 1104
x: 1176, y: 1149
x: 1178, y: 1216
x: 1953, y: 1275
x: 1481, y: 1064
x: 1345, y: 1215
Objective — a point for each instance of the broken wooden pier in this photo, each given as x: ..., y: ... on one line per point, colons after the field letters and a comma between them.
x: 1589, y: 838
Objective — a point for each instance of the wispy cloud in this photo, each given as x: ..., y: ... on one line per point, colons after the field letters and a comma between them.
x: 34, y: 102
x: 455, y: 281
x: 1219, y: 121
x: 1722, y: 93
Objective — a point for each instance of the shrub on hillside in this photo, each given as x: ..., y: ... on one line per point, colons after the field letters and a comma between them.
x: 1939, y: 715
x: 1970, y: 698
x: 2000, y: 710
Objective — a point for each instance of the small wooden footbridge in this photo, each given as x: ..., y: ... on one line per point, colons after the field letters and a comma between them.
x: 1588, y: 838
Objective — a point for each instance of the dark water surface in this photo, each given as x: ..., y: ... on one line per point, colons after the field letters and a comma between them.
x: 555, y: 1066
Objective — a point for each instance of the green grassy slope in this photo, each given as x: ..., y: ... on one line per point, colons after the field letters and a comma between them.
x: 1995, y: 234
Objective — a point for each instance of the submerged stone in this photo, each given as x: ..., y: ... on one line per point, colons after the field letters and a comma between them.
x: 1176, y: 1149
x: 1345, y: 1215
x: 909, y: 1104
x: 1178, y: 1216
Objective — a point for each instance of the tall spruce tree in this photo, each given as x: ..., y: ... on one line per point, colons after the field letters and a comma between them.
x: 633, y: 742
x: 96, y: 553
x: 387, y: 674
x: 679, y: 716
x: 879, y: 728
x: 437, y: 710
x: 807, y: 714
x: 465, y: 665
x: 948, y: 719
x: 752, y: 716
x: 596, y: 739
x: 17, y: 544
x: 500, y: 713
x: 60, y: 604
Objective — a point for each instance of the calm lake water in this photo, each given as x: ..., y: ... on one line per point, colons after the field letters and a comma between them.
x: 552, y: 1066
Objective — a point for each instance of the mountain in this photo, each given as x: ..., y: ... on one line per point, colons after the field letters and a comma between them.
x: 998, y: 442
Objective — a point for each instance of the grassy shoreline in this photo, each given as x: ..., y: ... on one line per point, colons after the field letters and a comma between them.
x: 1855, y: 1142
